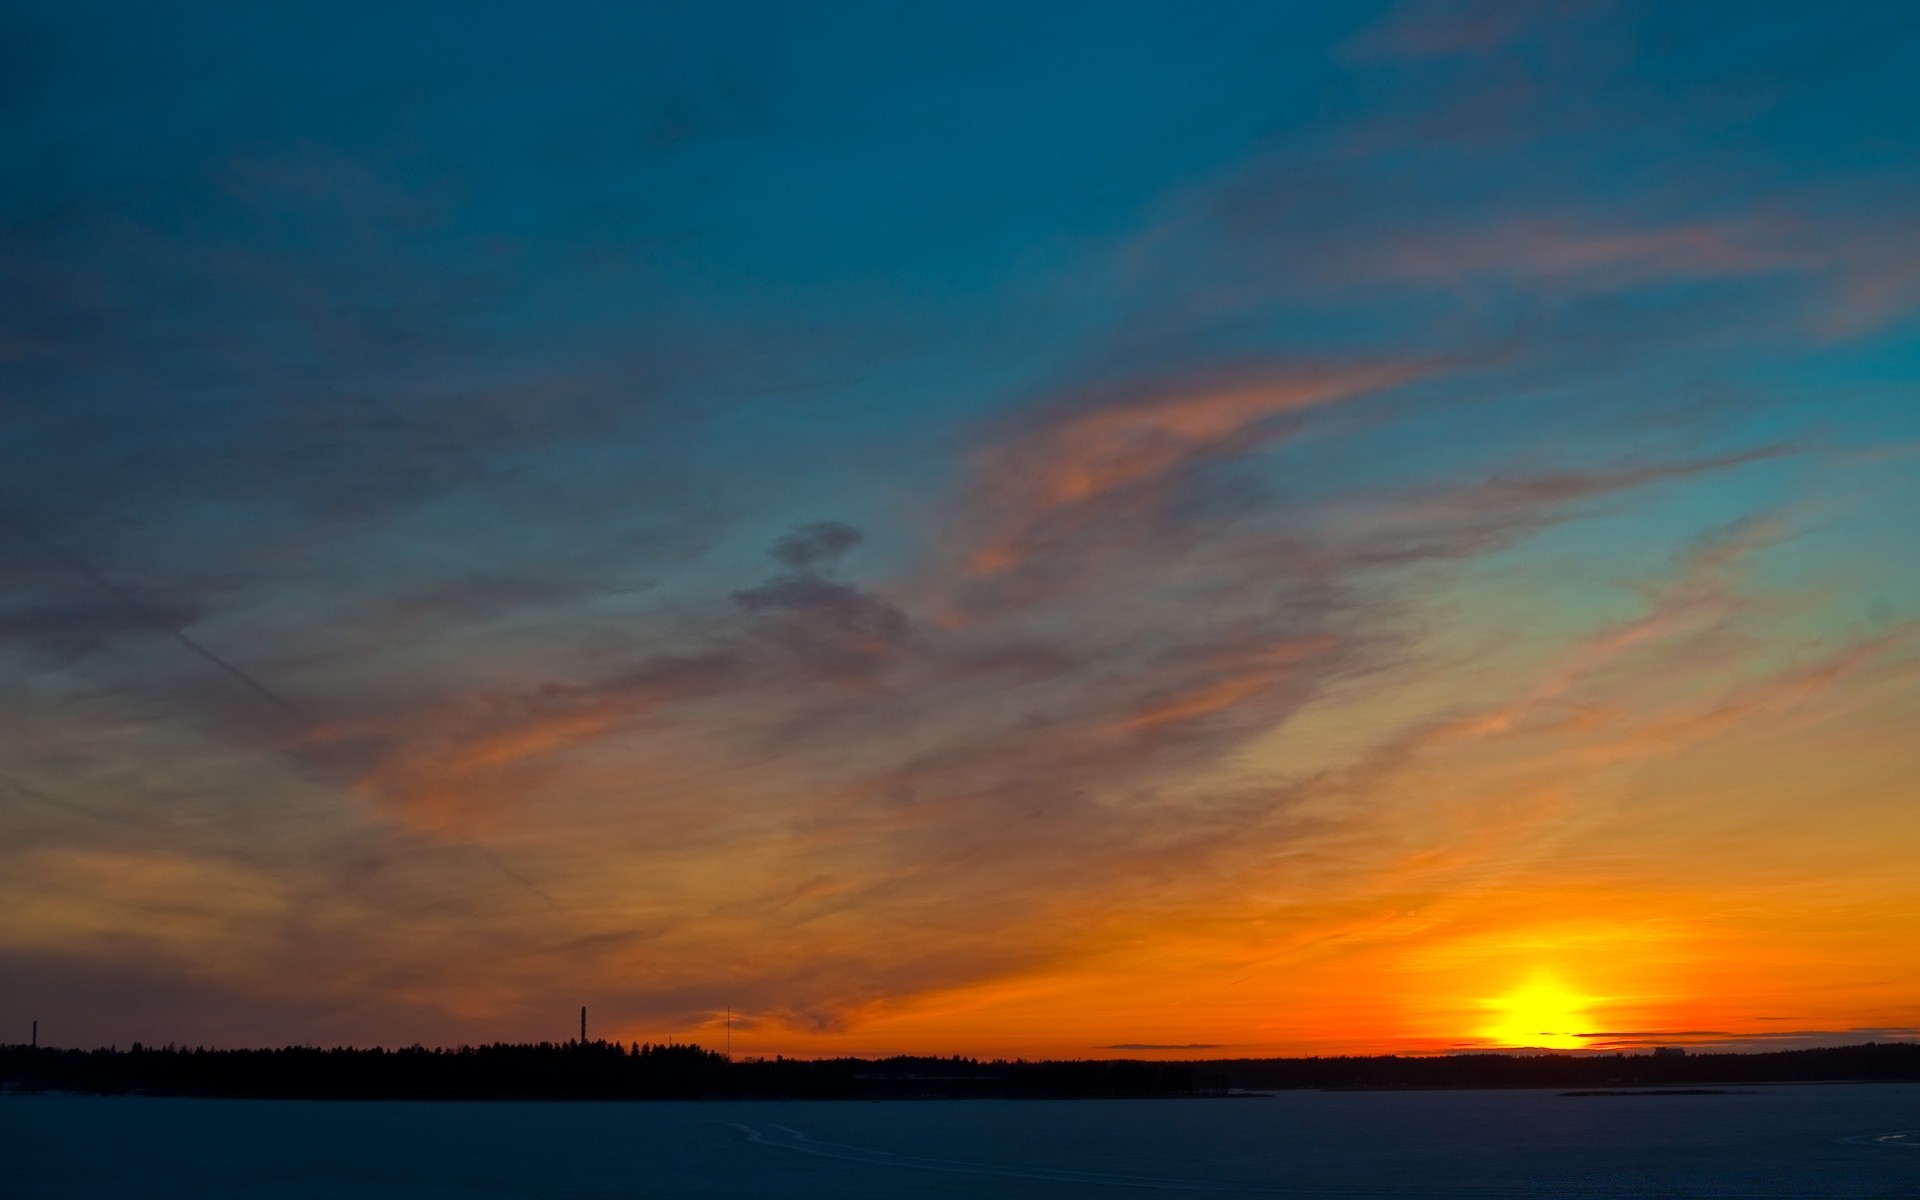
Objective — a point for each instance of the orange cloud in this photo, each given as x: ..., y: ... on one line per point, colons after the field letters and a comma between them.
x: 1250, y: 677
x: 1438, y: 28
x: 1568, y: 249
x: 454, y: 766
x: 1090, y: 463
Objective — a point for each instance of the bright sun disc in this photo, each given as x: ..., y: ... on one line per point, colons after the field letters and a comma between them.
x: 1541, y: 1012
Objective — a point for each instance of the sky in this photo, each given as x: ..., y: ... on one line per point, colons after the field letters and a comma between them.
x: 1051, y: 530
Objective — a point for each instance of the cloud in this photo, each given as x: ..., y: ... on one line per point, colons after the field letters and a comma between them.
x: 834, y: 628
x: 466, y: 759
x: 1462, y: 518
x: 455, y: 766
x: 1568, y: 252
x: 68, y: 632
x: 1218, y: 680
x: 1382, y: 225
x: 817, y: 545
x: 1632, y: 696
x: 134, y: 611
x: 1096, y: 467
x: 1718, y: 1041
x: 1418, y: 29
x: 1257, y: 239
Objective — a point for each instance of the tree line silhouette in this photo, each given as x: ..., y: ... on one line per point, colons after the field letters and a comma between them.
x: 601, y: 1070
x: 596, y: 1070
x: 1871, y: 1061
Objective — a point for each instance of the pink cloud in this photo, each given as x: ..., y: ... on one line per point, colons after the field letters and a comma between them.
x: 1085, y: 464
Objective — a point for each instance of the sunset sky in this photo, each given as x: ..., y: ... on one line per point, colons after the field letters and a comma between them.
x: 1068, y: 530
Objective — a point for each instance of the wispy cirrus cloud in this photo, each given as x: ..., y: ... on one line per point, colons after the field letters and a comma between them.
x: 1097, y: 469
x: 1381, y: 210
x: 1438, y: 28
x: 454, y: 765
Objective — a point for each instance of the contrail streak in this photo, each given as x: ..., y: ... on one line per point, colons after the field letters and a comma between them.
x: 85, y: 570
x: 33, y: 793
x: 522, y: 880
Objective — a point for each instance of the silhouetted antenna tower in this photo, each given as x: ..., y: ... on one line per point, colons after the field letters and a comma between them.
x: 36, y: 1035
x: 583, y: 1024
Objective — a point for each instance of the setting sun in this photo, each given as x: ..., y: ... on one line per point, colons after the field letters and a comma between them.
x: 1541, y: 1012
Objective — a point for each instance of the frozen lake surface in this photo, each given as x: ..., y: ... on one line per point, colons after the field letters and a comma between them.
x: 1824, y: 1141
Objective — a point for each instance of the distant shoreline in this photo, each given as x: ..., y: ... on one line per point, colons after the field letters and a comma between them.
x: 612, y: 1071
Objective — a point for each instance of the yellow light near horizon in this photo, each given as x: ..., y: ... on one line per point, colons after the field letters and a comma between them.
x: 1541, y: 1012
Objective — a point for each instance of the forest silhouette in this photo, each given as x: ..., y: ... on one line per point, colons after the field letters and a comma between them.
x: 602, y: 1070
